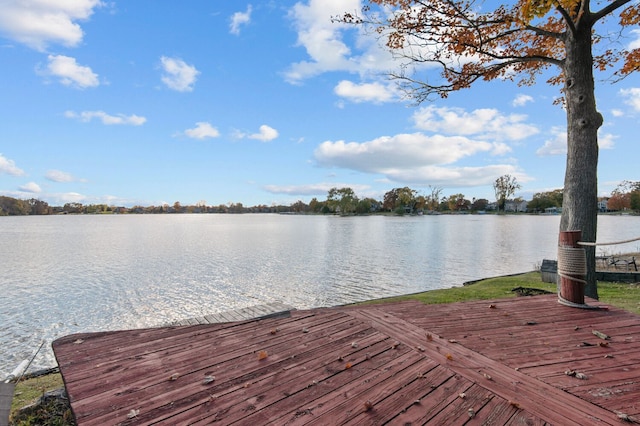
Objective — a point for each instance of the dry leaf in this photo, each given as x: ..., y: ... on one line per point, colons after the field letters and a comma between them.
x: 600, y: 335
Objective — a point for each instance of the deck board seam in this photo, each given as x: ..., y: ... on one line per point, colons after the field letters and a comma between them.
x: 488, y: 372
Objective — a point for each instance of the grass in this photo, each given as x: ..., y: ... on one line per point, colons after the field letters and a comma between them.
x: 624, y: 296
x: 491, y: 288
x: 53, y: 412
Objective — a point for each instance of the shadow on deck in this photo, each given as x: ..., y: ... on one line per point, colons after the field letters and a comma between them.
x: 527, y: 360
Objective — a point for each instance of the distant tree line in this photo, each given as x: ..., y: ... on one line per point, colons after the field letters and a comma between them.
x: 344, y: 201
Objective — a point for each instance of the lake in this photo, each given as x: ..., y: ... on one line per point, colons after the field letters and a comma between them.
x: 68, y: 274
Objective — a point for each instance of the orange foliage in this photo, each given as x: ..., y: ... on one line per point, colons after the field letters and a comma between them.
x: 619, y: 201
x: 516, y: 41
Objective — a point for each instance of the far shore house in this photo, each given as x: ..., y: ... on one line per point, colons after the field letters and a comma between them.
x: 603, y: 204
x: 515, y: 206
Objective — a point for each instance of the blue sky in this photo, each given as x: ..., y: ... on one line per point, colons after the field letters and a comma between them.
x: 151, y: 102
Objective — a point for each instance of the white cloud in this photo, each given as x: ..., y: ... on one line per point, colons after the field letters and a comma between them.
x: 456, y: 176
x: 178, y: 75
x: 632, y: 97
x: 333, y: 46
x: 70, y: 72
x: 313, y: 189
x: 432, y: 159
x: 416, y: 159
x: 30, y: 187
x: 486, y: 123
x: 38, y: 23
x: 606, y: 140
x: 70, y: 197
x: 396, y: 152
x: 557, y: 143
x: 107, y: 119
x: 9, y: 167
x: 617, y: 112
x: 202, y: 130
x: 325, y: 45
x: 521, y: 100
x: 238, y: 19
x: 59, y: 176
x: 635, y: 44
x: 265, y: 134
x: 365, y: 92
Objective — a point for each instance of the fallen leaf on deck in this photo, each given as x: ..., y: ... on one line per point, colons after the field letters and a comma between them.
x: 600, y: 335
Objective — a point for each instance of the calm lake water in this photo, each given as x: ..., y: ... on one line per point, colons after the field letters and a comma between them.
x: 68, y: 274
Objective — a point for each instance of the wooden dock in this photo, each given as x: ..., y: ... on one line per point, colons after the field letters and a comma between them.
x: 528, y: 360
x: 262, y: 311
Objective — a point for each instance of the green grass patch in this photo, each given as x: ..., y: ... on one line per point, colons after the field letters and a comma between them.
x: 621, y: 295
x: 491, y: 288
x: 53, y: 411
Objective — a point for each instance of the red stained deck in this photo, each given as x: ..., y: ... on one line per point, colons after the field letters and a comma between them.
x: 499, y: 362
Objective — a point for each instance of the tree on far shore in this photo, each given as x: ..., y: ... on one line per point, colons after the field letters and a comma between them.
x: 505, y: 186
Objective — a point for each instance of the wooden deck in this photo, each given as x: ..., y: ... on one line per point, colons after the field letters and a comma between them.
x: 502, y: 362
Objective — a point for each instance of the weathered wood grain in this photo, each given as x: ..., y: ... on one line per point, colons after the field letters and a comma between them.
x: 499, y: 362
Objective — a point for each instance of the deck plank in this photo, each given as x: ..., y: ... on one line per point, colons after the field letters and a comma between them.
x: 395, y: 363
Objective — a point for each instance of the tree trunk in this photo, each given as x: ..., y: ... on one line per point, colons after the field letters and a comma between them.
x: 580, y: 201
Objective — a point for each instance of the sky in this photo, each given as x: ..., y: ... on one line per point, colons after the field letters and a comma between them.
x: 151, y: 102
